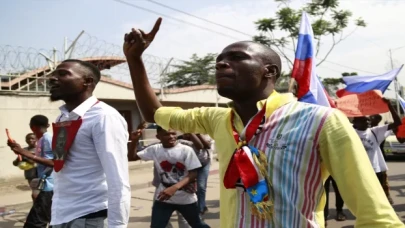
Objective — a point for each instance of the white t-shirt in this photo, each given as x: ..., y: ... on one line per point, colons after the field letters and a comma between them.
x: 372, y: 145
x: 389, y: 133
x: 172, y: 165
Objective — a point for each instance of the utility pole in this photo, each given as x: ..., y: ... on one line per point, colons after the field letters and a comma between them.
x: 67, y: 52
x: 395, y: 82
x: 51, y: 62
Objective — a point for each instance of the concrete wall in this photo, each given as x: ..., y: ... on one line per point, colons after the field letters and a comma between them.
x: 16, y: 111
x: 127, y: 106
x: 113, y: 92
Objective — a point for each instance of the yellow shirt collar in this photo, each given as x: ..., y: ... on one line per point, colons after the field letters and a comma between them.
x: 274, y: 101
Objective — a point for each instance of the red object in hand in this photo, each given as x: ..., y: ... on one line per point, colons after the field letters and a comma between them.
x: 12, y: 140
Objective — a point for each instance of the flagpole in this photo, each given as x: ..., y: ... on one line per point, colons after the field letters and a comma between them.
x: 395, y: 83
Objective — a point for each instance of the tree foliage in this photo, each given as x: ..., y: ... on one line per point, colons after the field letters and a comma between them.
x: 328, y: 22
x: 196, y: 71
x: 333, y: 84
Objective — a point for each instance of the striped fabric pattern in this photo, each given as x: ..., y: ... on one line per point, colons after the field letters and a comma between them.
x: 289, y: 139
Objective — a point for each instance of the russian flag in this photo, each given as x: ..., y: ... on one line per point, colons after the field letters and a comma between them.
x: 310, y: 88
x: 361, y: 84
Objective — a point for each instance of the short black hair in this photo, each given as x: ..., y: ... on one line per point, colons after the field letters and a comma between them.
x: 268, y: 55
x: 159, y: 129
x: 91, y: 69
x: 28, y: 135
x: 359, y: 118
x: 377, y: 116
x: 39, y: 121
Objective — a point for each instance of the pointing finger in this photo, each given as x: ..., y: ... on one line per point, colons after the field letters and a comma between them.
x: 156, y: 27
x: 142, y: 33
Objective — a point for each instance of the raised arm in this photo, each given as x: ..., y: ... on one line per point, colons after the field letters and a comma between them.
x: 196, y: 141
x: 201, y: 120
x: 204, y: 141
x: 133, y: 148
x: 135, y: 43
x: 395, y: 116
x: 47, y: 160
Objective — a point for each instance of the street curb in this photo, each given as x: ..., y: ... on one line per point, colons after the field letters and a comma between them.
x: 141, y: 186
x: 19, y: 180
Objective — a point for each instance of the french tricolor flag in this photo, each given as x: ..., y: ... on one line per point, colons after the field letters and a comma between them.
x: 310, y: 88
x: 361, y: 84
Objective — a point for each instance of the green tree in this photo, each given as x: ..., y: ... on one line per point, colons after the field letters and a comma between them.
x: 333, y: 84
x: 196, y: 71
x: 329, y: 22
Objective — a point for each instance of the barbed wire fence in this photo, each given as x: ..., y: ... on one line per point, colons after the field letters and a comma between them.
x: 18, y: 60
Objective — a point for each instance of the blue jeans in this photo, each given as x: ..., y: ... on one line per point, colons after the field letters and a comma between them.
x: 202, y: 179
x: 161, y: 213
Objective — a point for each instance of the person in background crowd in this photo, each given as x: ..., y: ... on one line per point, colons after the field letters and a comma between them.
x: 40, y: 213
x: 340, y: 216
x: 176, y: 166
x: 301, y: 143
x: 30, y: 170
x: 90, y: 145
x: 372, y: 137
x: 202, y: 147
x: 136, y: 146
x: 374, y: 122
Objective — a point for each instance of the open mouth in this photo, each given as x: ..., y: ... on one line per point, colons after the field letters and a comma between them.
x: 219, y: 75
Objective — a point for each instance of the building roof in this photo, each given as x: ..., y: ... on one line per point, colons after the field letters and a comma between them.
x: 166, y: 91
x: 102, y: 62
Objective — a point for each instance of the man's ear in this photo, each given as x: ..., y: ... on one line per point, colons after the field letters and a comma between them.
x: 88, y: 81
x: 272, y: 71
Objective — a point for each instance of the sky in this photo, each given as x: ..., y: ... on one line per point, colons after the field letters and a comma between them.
x: 43, y: 24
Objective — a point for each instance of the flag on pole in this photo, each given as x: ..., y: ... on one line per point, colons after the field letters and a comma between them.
x: 361, y: 84
x: 310, y: 88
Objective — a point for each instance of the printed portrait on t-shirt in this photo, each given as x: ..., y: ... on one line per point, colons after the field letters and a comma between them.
x: 172, y: 173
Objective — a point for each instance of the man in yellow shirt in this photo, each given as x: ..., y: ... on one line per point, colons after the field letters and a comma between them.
x: 301, y: 143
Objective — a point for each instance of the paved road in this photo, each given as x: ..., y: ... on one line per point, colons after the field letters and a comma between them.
x: 142, y: 201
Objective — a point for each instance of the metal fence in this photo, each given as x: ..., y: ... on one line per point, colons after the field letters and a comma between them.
x: 24, y: 83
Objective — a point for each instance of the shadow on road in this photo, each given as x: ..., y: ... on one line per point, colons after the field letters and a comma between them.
x: 399, y: 190
x: 400, y: 177
x: 11, y: 220
x: 207, y: 216
x: 349, y: 215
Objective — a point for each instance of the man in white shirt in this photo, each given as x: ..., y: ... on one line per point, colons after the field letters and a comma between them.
x: 90, y: 147
x: 374, y: 122
x: 177, y: 166
x: 372, y: 139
